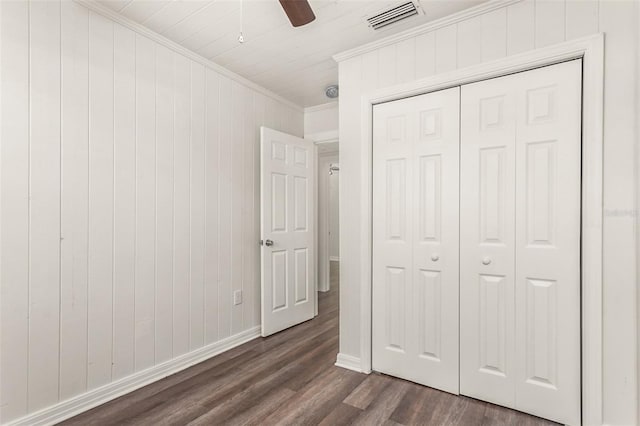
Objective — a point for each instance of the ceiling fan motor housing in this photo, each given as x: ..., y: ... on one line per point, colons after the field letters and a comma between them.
x: 299, y: 12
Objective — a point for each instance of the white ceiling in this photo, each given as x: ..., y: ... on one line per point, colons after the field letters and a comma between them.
x: 293, y: 62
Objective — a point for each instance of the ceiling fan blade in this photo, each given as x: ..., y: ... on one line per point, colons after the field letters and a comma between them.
x: 298, y: 11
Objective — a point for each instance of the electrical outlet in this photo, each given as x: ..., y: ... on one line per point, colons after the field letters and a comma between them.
x: 237, y: 297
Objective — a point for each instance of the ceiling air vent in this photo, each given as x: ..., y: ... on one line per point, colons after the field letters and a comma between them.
x: 395, y: 14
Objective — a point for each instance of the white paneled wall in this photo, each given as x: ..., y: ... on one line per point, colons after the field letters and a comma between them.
x: 129, y: 199
x: 514, y: 28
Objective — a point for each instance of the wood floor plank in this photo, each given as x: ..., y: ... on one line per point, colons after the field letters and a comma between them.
x: 470, y: 412
x: 385, y: 403
x: 290, y: 379
x: 251, y: 413
x: 368, y: 390
x: 417, y: 405
x: 343, y: 414
x: 313, y: 402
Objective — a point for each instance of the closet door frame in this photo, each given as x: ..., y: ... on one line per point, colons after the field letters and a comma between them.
x: 591, y: 50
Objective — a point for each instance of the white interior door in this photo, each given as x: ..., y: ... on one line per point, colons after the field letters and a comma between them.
x: 288, y: 223
x: 415, y: 239
x: 520, y: 241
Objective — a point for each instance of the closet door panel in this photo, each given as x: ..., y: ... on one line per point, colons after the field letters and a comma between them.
x: 415, y: 321
x: 435, y: 238
x: 487, y: 252
x: 548, y: 242
x: 394, y: 126
x: 520, y: 241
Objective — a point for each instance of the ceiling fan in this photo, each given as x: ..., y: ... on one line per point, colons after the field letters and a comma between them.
x: 299, y: 12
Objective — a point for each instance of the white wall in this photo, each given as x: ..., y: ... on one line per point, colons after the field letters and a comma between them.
x: 321, y: 122
x: 508, y: 30
x: 334, y: 213
x: 325, y: 222
x: 129, y: 198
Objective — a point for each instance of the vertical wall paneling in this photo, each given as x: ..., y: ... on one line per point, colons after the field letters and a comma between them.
x: 129, y: 203
x: 164, y: 205
x: 370, y: 72
x: 259, y: 117
x: 550, y: 24
x: 212, y: 155
x: 425, y: 54
x: 249, y: 238
x: 124, y: 202
x: 581, y: 18
x: 44, y: 195
x: 14, y: 202
x: 145, y: 202
x: 494, y: 35
x: 270, y: 114
x: 100, y: 307
x: 387, y: 65
x: 74, y: 199
x: 469, y: 44
x: 406, y: 60
x: 197, y: 220
x: 446, y: 43
x: 619, y: 21
x: 521, y: 27
x: 276, y: 119
x: 238, y: 93
x: 181, y: 204
x: 354, y: 72
x: 224, y: 212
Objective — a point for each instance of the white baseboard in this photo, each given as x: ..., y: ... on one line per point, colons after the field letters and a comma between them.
x: 349, y: 362
x: 83, y: 402
x: 334, y: 258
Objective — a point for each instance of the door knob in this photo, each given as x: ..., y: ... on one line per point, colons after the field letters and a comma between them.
x: 268, y: 243
x: 486, y: 261
x: 435, y: 257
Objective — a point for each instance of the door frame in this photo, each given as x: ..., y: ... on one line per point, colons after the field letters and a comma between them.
x: 591, y: 50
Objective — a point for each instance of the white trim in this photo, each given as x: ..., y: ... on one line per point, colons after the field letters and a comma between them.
x: 350, y: 363
x: 142, y: 30
x: 76, y: 405
x: 329, y: 136
x: 454, y: 18
x: 334, y: 258
x: 316, y: 236
x: 321, y: 107
x: 637, y: 206
x: 591, y: 50
x: 331, y: 153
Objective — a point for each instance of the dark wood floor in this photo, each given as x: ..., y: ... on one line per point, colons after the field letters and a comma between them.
x: 289, y: 378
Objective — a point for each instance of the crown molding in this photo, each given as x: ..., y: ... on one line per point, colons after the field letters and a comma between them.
x: 144, y: 31
x: 321, y: 107
x: 454, y: 18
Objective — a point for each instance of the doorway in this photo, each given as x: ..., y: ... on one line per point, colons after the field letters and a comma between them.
x: 328, y: 214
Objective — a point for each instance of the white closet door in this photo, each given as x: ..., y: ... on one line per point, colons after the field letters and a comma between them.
x: 548, y: 148
x: 415, y: 239
x: 520, y: 241
x: 487, y: 239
